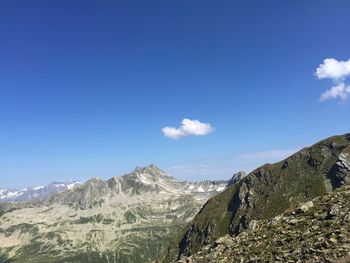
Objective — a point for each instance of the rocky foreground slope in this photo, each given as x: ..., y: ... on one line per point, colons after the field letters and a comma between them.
x: 267, y: 192
x: 317, y: 231
x: 128, y: 218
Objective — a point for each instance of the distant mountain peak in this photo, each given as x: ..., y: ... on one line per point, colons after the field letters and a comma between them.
x: 152, y: 172
x: 236, y: 177
x: 152, y: 169
x: 35, y: 193
x: 95, y: 179
x: 141, y: 181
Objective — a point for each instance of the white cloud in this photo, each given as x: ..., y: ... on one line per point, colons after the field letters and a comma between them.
x: 223, y: 166
x: 339, y: 91
x: 272, y: 154
x: 337, y: 71
x: 333, y: 69
x: 188, y: 128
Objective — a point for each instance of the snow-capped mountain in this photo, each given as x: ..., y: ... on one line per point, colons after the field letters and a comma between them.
x: 144, y: 180
x: 34, y: 193
x: 148, y: 178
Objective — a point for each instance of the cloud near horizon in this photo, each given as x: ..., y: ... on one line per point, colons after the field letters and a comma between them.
x: 188, y: 128
x: 337, y: 71
x: 224, y: 166
x: 272, y: 154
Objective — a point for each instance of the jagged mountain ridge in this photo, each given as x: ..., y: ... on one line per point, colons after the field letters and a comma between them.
x: 267, y: 192
x: 129, y: 218
x: 35, y: 193
x: 142, y: 180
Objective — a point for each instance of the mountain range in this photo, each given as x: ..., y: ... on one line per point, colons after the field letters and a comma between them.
x: 295, y: 210
x: 35, y: 193
x: 129, y: 218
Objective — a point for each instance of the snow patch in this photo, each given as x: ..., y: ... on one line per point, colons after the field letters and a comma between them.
x: 13, y: 194
x: 200, y: 189
x: 59, y: 185
x: 70, y: 186
x: 221, y: 188
x: 144, y: 180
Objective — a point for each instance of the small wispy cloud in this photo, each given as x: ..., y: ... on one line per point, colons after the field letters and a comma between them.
x: 337, y: 71
x: 339, y: 91
x: 188, y: 128
x: 272, y: 154
x: 222, y: 167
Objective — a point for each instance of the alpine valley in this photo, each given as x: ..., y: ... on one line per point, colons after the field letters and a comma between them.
x: 129, y: 218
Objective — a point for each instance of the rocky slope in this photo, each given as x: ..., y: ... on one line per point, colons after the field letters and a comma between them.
x: 35, y: 193
x: 128, y: 218
x: 317, y: 231
x: 267, y: 192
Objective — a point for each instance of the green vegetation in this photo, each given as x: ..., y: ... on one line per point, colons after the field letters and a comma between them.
x: 317, y: 231
x: 92, y: 219
x: 130, y: 217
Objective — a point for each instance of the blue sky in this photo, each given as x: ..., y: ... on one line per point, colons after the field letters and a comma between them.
x: 86, y: 87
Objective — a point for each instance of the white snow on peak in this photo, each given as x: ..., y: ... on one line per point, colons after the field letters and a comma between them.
x: 221, y: 188
x: 200, y: 189
x: 72, y: 185
x: 38, y: 187
x: 13, y: 194
x: 59, y: 185
x: 144, y: 179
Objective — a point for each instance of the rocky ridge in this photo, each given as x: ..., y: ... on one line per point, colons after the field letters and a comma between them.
x: 142, y: 180
x: 317, y: 231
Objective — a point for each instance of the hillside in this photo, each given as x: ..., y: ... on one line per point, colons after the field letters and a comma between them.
x: 317, y: 231
x: 267, y: 192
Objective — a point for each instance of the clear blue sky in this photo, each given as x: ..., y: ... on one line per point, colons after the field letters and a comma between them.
x: 87, y: 86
